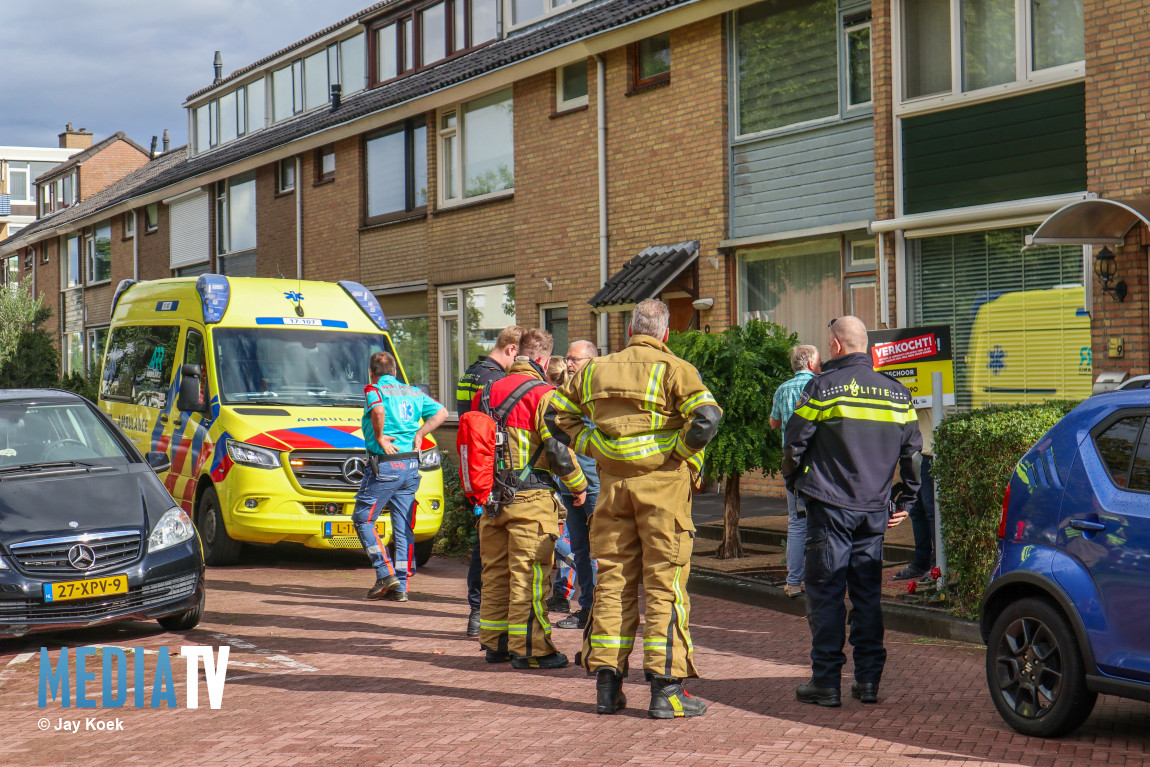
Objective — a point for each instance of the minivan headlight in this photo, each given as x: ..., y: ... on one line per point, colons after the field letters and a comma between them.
x: 3, y: 564
x: 429, y: 459
x: 250, y: 455
x: 174, y: 527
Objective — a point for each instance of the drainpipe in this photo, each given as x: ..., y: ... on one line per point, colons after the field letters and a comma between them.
x: 883, y: 283
x: 136, y: 244
x: 601, y: 117
x: 298, y: 222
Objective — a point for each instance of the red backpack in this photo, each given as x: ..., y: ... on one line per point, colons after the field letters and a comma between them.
x: 485, y: 452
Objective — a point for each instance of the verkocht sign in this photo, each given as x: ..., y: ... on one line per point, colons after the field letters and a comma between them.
x: 913, y: 355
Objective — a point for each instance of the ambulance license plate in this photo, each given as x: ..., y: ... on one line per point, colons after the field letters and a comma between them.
x: 86, y: 589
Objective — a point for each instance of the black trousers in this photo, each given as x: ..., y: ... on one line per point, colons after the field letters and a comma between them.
x: 844, y: 551
x: 475, y: 577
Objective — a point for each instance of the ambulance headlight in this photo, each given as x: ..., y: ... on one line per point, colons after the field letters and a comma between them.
x: 174, y: 527
x: 429, y: 459
x: 250, y: 455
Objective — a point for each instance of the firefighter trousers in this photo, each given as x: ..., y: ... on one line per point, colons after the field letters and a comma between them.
x: 642, y: 532
x: 518, y: 549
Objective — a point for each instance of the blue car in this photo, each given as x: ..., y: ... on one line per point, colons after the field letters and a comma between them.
x: 1066, y: 614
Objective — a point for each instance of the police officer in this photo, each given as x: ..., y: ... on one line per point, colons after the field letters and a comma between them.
x: 650, y: 418
x: 851, y: 427
x: 392, y: 432
x: 518, y: 542
x: 483, y: 371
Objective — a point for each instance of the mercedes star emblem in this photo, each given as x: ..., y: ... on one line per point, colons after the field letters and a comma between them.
x: 73, y: 524
x: 353, y: 469
x: 81, y: 557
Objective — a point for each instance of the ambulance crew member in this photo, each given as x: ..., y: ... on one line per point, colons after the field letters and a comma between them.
x: 651, y: 417
x: 392, y: 434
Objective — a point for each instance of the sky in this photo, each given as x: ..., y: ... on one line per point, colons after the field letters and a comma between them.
x: 128, y: 65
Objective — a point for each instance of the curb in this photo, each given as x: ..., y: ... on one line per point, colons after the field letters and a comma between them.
x: 760, y: 537
x: 924, y: 621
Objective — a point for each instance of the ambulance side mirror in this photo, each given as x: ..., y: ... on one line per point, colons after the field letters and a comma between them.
x: 191, y: 395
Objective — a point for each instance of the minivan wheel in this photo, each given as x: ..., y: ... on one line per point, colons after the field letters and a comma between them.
x: 219, y: 547
x: 187, y: 620
x: 423, y: 551
x: 1035, y: 672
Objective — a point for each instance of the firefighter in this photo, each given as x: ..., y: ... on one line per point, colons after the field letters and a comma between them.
x: 851, y: 427
x: 518, y: 542
x: 483, y: 371
x: 649, y: 418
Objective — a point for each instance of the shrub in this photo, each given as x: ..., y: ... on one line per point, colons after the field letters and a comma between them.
x: 975, y: 454
x: 457, y: 533
x: 34, y: 361
x: 84, y: 385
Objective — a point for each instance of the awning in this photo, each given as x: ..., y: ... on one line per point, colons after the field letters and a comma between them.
x: 1094, y: 221
x: 646, y: 275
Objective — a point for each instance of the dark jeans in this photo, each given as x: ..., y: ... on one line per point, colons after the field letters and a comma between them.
x: 394, y: 487
x: 844, y: 550
x: 578, y: 519
x: 475, y: 577
x: 922, y: 519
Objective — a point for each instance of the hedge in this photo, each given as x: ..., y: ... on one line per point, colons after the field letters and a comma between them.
x: 457, y: 533
x: 975, y: 454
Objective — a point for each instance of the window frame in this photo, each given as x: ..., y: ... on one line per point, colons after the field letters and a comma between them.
x: 66, y: 282
x: 413, y: 16
x: 26, y: 196
x: 90, y: 342
x: 456, y: 133
x: 148, y: 227
x: 639, y: 83
x: 1104, y: 426
x: 409, y: 128
x: 320, y: 176
x: 1027, y: 78
x: 563, y: 104
x: 90, y: 254
x: 447, y: 385
x: 128, y: 225
x: 281, y: 187
x: 545, y: 322
x: 549, y: 11
x: 223, y: 206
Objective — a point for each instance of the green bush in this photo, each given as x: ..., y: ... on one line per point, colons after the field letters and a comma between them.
x: 975, y: 454
x: 84, y: 385
x: 34, y: 361
x: 457, y: 533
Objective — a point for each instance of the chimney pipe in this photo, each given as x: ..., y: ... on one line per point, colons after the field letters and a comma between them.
x: 336, y: 92
x: 152, y: 152
x: 167, y: 140
x: 218, y: 65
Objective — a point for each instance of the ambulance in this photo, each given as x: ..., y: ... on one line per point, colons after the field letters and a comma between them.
x: 255, y: 390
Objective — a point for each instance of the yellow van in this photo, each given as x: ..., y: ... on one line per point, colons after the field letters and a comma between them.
x: 1029, y: 346
x: 254, y: 388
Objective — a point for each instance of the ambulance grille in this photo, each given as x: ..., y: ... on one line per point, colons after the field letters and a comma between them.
x: 323, y: 469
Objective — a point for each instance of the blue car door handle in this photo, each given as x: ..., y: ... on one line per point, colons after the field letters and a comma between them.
x: 1086, y: 524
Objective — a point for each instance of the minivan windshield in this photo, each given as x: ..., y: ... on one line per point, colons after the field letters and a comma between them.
x: 49, y: 432
x: 294, y: 366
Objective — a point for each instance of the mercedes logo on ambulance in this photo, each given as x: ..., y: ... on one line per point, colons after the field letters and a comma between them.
x: 81, y: 557
x: 353, y: 469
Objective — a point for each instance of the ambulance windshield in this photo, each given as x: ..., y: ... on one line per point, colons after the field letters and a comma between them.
x: 294, y: 366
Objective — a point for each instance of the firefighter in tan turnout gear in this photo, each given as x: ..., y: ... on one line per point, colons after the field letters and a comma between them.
x: 518, y: 543
x: 652, y: 417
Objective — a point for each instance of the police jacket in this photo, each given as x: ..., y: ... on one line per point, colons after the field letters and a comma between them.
x: 851, y: 426
x: 526, y: 431
x: 645, y: 406
x: 482, y: 372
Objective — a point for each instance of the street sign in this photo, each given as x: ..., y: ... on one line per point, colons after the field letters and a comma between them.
x: 912, y: 355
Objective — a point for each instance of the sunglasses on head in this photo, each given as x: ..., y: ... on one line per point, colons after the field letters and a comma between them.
x: 831, y: 324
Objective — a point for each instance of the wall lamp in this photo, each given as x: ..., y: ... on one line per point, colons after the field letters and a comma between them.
x: 1106, y: 269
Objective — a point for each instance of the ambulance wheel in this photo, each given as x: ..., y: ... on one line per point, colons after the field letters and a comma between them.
x: 219, y: 547
x: 423, y: 552
x: 187, y: 620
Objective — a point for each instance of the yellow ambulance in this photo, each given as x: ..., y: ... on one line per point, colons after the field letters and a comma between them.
x: 255, y: 389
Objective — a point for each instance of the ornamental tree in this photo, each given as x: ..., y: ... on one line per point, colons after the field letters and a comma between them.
x: 742, y: 366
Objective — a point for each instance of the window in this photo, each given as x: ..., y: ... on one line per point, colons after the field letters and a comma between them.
x: 236, y: 214
x: 571, y: 86
x: 129, y: 224
x: 433, y: 33
x: 351, y: 57
x: 796, y: 285
x: 10, y: 271
x: 555, y: 323
x: 99, y: 247
x: 651, y: 61
x: 470, y: 318
x: 97, y: 342
x: 256, y: 106
x: 396, y: 170
x: 151, y: 217
x: 73, y: 353
x: 325, y: 164
x: 138, y: 365
x: 428, y: 34
x: 230, y: 116
x: 857, y: 32
x: 194, y: 355
x: 525, y: 11
x: 862, y: 300
x: 1008, y: 312
x: 316, y: 87
x: 1116, y: 447
x: 998, y: 42
x: 285, y: 175
x: 861, y: 256
x: 71, y: 275
x: 477, y: 147
x: 18, y: 182
x: 407, y: 317
x: 283, y: 94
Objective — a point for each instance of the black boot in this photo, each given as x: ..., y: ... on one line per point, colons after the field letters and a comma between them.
x: 670, y: 700
x: 473, y: 623
x: 823, y: 696
x: 383, y: 587
x: 609, y: 696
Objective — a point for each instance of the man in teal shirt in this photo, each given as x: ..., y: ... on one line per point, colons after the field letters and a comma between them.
x: 392, y: 434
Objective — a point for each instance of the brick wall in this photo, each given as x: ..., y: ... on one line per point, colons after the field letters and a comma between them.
x: 108, y: 166
x: 275, y: 226
x: 155, y: 248
x: 331, y: 215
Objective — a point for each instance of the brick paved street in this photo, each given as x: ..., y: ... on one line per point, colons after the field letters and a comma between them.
x: 319, y: 675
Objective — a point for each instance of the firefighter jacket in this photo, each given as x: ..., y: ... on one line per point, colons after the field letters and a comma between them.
x: 482, y: 372
x: 646, y: 407
x: 851, y: 426
x: 526, y: 431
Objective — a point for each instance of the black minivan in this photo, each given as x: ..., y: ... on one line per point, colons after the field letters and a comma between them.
x: 88, y: 533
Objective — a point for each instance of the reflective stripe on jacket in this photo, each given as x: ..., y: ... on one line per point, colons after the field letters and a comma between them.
x: 640, y: 402
x: 482, y: 372
x: 851, y: 427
